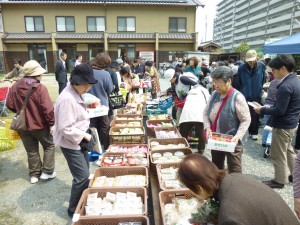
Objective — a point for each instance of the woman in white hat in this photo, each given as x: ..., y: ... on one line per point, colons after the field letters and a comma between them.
x: 39, y: 120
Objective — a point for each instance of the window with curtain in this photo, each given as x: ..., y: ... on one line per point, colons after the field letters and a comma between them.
x: 126, y: 23
x: 65, y: 23
x: 95, y: 23
x: 34, y: 23
x: 177, y: 24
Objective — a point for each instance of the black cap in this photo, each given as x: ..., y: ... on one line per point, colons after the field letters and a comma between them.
x: 114, y: 64
x: 83, y: 74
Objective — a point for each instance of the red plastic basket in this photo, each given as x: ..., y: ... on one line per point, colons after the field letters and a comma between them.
x: 3, y: 93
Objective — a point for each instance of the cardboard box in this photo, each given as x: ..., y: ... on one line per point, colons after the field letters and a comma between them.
x: 216, y: 143
x: 99, y: 111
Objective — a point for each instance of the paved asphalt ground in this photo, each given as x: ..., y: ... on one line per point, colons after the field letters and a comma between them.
x: 46, y: 202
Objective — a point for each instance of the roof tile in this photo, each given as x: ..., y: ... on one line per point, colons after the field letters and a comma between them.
x: 112, y: 2
x: 26, y: 36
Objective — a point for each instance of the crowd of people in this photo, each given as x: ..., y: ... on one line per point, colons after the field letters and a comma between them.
x: 207, y: 99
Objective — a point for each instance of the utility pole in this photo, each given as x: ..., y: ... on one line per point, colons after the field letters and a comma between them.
x: 205, y: 28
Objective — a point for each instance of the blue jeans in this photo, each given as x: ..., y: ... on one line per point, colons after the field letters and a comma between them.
x: 267, y: 135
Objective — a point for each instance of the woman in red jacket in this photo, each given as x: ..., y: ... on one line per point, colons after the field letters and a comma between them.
x: 39, y: 120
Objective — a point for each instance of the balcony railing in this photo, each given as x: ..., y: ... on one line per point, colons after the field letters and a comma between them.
x: 281, y: 8
x: 257, y: 25
x: 279, y: 19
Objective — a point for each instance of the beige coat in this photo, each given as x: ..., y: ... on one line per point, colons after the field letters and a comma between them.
x: 16, y: 74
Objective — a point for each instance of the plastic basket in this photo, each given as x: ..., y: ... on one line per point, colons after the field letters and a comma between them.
x: 12, y: 134
x: 166, y: 141
x: 120, y: 171
x: 3, y: 93
x: 167, y: 129
x: 166, y: 102
x: 186, y: 151
x: 112, y: 221
x: 118, y: 155
x: 120, y: 146
x: 140, y: 191
x: 117, y: 101
x: 128, y: 117
x: 155, y: 123
x: 156, y: 112
x: 6, y: 143
x: 163, y: 166
x: 126, y: 138
x: 124, y: 123
x: 128, y: 111
x: 166, y: 197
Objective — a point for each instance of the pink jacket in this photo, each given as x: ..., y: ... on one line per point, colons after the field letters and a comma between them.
x: 71, y: 119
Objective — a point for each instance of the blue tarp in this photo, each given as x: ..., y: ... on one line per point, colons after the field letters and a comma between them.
x: 289, y: 45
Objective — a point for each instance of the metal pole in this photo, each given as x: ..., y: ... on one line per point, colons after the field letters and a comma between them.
x: 292, y: 17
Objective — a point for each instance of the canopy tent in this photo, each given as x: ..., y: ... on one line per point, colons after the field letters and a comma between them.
x: 289, y: 45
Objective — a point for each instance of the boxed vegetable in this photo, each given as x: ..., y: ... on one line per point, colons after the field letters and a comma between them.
x: 94, y: 107
x: 221, y: 142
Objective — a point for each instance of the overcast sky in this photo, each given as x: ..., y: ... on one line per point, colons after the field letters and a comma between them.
x: 206, y: 14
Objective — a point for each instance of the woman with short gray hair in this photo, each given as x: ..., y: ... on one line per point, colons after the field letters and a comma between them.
x: 227, y: 113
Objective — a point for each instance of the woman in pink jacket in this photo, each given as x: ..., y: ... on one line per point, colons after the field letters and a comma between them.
x: 70, y: 132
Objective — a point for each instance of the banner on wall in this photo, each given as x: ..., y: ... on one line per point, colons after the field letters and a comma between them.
x: 147, y: 55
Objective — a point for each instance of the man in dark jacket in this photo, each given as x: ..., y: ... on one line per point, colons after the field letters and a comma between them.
x: 61, y: 72
x: 284, y: 118
x: 250, y: 80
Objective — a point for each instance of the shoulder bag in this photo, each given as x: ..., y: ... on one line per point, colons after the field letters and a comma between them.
x: 19, y: 120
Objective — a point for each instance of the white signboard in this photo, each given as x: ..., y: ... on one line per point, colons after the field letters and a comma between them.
x: 147, y: 55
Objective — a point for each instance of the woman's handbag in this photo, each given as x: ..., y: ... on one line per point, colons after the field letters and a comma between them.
x: 19, y: 120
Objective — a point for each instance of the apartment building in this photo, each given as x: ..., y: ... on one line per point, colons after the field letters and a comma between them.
x: 41, y: 29
x: 256, y: 22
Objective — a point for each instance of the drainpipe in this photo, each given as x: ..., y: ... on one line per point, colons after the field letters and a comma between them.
x: 156, y: 49
x: 105, y: 36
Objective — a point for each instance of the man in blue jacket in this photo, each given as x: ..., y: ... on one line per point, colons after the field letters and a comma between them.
x: 284, y: 119
x: 250, y: 80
